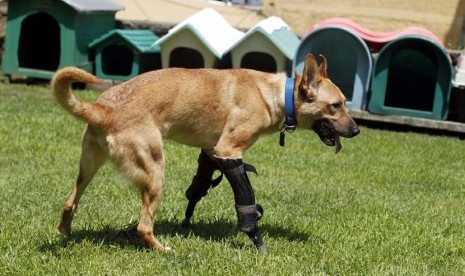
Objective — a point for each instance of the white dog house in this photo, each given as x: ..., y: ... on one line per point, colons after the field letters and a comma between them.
x: 269, y: 46
x: 200, y: 41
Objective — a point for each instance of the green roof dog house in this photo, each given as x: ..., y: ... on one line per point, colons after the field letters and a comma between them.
x: 411, y: 77
x: 42, y: 36
x: 200, y: 41
x: 124, y: 54
x: 268, y: 46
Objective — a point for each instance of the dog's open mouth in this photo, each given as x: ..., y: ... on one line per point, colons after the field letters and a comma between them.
x: 325, y: 129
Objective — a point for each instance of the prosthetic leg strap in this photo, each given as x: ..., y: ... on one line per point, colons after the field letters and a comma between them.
x: 250, y: 209
x: 216, y: 181
x: 250, y: 168
x: 248, y: 215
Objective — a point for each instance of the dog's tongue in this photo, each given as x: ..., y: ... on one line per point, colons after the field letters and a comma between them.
x: 337, y: 143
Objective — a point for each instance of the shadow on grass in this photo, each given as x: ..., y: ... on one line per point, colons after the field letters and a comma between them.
x: 128, y: 237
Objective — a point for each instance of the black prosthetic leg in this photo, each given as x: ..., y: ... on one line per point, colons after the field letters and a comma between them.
x: 248, y: 212
x: 201, y: 182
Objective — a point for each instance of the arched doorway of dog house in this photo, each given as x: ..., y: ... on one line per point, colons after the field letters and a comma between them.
x: 259, y: 61
x: 39, y: 42
x: 412, y: 77
x: 186, y: 58
x: 117, y: 60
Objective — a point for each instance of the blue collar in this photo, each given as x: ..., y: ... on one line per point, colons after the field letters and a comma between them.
x: 291, y: 122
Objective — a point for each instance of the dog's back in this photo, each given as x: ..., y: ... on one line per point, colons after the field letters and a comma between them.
x: 190, y: 106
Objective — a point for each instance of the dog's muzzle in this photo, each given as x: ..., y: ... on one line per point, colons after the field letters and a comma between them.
x: 329, y: 135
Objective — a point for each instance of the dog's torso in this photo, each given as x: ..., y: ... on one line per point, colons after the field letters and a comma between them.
x: 195, y: 107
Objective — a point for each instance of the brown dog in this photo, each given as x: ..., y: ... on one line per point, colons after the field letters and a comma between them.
x: 222, y: 112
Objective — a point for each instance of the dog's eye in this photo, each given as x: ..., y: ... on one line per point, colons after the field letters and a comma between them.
x: 337, y: 105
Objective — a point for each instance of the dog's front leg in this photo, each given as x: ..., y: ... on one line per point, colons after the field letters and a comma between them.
x: 247, y: 210
x: 201, y: 183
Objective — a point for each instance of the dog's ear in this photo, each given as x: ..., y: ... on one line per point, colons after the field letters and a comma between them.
x: 298, y: 79
x: 323, y: 66
x: 308, y: 86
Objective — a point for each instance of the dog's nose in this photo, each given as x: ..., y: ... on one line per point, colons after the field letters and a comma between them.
x: 355, y: 131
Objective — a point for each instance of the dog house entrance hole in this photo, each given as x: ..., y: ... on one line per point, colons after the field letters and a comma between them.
x: 117, y: 60
x: 412, y: 78
x: 186, y: 58
x: 39, y: 43
x: 259, y: 61
x: 342, y: 70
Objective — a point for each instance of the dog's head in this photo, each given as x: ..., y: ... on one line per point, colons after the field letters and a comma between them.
x: 320, y: 105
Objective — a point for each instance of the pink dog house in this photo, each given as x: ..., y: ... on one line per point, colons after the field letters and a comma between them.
x: 375, y: 40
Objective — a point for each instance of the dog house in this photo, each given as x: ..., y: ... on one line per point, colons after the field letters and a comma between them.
x: 374, y: 40
x: 268, y: 46
x: 411, y: 77
x: 199, y: 41
x: 42, y: 36
x: 124, y: 54
x: 349, y: 61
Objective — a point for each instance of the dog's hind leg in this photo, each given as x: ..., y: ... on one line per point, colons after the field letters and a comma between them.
x: 151, y: 191
x: 92, y: 158
x: 201, y: 183
x: 143, y: 162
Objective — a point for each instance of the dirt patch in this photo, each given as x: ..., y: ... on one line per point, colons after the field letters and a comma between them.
x: 445, y: 18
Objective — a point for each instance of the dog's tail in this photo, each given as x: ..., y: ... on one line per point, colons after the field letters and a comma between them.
x: 91, y: 113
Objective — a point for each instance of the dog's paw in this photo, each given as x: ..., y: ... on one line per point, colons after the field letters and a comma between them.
x: 159, y: 247
x: 62, y: 230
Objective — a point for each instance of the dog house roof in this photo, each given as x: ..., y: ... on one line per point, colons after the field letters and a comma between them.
x: 93, y: 5
x: 211, y: 28
x: 142, y: 40
x: 278, y: 32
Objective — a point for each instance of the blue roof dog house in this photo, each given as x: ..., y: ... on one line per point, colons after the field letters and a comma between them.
x: 42, y: 36
x: 268, y: 46
x: 200, y: 41
x: 124, y: 54
x: 412, y: 77
x: 349, y: 61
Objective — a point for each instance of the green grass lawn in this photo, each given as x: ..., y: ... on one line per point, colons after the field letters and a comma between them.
x: 390, y: 203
